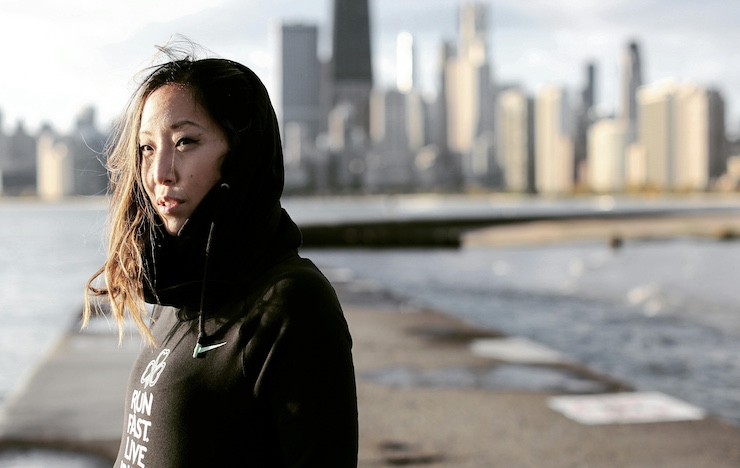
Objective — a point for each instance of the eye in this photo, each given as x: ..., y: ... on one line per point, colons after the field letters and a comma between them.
x: 145, y: 150
x: 185, y: 141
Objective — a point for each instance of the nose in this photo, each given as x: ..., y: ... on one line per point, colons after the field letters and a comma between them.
x: 163, y: 167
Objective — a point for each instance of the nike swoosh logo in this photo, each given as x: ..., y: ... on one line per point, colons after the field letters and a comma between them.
x: 202, y: 349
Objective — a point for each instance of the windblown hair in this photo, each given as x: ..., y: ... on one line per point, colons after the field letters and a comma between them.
x: 222, y: 89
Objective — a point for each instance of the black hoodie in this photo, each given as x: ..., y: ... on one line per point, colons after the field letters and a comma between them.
x: 253, y: 364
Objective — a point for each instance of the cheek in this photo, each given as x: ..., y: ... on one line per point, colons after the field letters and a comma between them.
x: 198, y: 180
x: 210, y: 172
x: 146, y: 179
x: 206, y: 179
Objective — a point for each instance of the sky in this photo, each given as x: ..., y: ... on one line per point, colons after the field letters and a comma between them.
x: 59, y: 57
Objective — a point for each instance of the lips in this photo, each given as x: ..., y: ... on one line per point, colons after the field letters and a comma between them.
x: 168, y: 205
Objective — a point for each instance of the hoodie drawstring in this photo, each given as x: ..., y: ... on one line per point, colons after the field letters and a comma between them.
x: 201, y: 320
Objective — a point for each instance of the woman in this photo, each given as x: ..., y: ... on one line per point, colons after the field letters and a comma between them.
x: 249, y: 358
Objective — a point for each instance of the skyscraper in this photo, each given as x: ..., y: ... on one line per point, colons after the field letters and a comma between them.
x: 439, y: 135
x: 631, y: 80
x: 447, y: 171
x: 405, y: 62
x: 300, y: 74
x: 607, y: 149
x: 470, y: 77
x: 553, y: 142
x: 351, y: 68
x: 396, y: 128
x: 681, y: 135
x: 473, y: 32
x: 657, y: 134
x: 584, y: 118
x: 469, y: 94
x: 588, y: 95
x: 514, y: 140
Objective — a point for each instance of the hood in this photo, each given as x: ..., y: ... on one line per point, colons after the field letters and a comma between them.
x: 239, y: 229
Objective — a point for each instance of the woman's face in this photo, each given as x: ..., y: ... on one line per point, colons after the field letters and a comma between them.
x: 182, y: 149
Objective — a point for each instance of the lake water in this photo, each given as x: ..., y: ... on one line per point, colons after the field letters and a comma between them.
x: 47, y: 253
x: 660, y: 315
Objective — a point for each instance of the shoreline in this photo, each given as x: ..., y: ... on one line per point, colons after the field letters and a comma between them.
x: 723, y: 227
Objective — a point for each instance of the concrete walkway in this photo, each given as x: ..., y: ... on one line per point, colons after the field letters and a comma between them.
x: 74, y: 400
x: 413, y: 419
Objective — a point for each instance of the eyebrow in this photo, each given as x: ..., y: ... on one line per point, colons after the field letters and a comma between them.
x: 177, y: 125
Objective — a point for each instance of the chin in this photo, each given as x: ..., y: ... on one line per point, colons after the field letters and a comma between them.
x: 173, y: 227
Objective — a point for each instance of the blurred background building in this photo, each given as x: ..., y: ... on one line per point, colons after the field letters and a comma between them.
x: 343, y: 134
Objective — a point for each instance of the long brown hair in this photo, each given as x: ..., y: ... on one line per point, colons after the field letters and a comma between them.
x: 129, y: 214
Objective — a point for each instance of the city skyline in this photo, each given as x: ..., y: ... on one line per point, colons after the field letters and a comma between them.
x: 82, y: 53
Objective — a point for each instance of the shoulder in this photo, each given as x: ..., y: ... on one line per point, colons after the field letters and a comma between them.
x: 293, y: 303
x: 299, y: 295
x: 299, y: 279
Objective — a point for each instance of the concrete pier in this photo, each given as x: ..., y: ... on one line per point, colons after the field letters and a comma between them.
x: 74, y: 399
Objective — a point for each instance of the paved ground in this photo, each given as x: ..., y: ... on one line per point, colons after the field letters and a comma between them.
x: 464, y: 425
x: 75, y: 399
x: 424, y: 398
